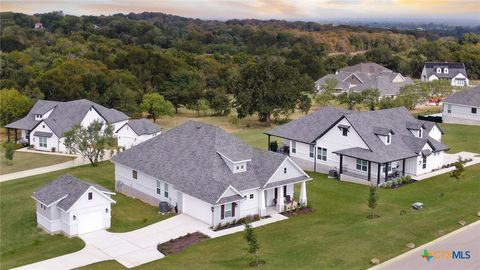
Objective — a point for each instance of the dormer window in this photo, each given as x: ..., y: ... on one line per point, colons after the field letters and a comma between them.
x: 38, y: 116
x: 389, y: 138
x: 439, y: 70
x: 420, y: 133
x: 445, y: 70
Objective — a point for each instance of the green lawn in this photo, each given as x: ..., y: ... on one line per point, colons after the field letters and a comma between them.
x: 25, y: 161
x: 461, y: 137
x: 20, y: 240
x: 338, y: 235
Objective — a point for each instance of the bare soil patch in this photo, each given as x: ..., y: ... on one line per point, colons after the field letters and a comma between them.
x: 179, y: 244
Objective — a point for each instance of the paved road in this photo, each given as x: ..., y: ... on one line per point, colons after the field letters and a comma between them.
x: 136, y: 247
x: 464, y: 239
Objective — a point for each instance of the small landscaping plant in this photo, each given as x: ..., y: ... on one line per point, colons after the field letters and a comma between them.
x: 252, y: 241
x: 459, y: 171
x: 372, y: 201
x: 9, y: 151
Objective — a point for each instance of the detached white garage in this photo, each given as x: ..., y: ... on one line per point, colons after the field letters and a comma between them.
x: 71, y: 206
x: 136, y: 131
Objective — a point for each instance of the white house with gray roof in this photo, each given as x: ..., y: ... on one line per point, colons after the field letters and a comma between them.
x: 364, y: 146
x: 45, y: 124
x: 136, y: 131
x: 365, y: 76
x: 455, y: 73
x: 72, y: 206
x: 209, y: 174
x: 462, y: 107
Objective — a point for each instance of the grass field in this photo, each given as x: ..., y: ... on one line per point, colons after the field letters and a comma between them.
x: 20, y: 240
x: 26, y: 161
x: 338, y: 235
x: 461, y: 137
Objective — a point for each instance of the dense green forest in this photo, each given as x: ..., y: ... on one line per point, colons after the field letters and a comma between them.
x: 115, y: 60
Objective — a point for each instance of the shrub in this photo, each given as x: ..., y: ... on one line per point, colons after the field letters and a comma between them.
x: 409, y: 178
x: 388, y: 184
x: 273, y: 146
x: 53, y: 149
x: 405, y: 180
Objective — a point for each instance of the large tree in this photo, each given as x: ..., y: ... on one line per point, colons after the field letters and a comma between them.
x: 184, y: 88
x: 91, y: 142
x: 350, y: 99
x: 155, y: 105
x: 270, y: 86
x: 371, y: 98
x: 437, y: 89
x: 13, y: 105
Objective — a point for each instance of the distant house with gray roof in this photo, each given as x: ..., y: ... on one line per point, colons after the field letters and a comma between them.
x: 365, y: 76
x: 455, y: 73
x: 366, y: 147
x: 46, y: 123
x: 208, y: 174
x: 72, y: 206
x: 136, y: 131
x: 462, y: 107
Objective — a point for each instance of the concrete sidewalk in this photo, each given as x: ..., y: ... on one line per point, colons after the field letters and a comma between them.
x: 136, y: 247
x: 78, y: 161
x: 463, y: 239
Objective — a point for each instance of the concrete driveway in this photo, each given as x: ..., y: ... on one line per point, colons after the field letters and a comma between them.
x: 130, y: 249
x: 464, y: 239
x: 136, y: 247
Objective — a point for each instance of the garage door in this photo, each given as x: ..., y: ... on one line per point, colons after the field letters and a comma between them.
x: 89, y: 222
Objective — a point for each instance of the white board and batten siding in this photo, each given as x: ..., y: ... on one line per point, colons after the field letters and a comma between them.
x: 460, y: 114
x: 52, y: 141
x: 128, y: 138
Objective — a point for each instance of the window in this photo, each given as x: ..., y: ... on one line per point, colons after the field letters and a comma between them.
x: 43, y: 126
x: 251, y: 196
x: 74, y: 217
x: 420, y: 133
x: 238, y: 167
x: 294, y: 147
x: 241, y: 167
x: 90, y: 196
x: 344, y: 131
x: 449, y: 108
x: 389, y: 138
x: 439, y: 70
x: 165, y: 192
x: 228, y: 210
x: 362, y: 165
x: 43, y: 141
x: 322, y: 153
x: 474, y: 110
x: 311, y: 151
x: 106, y: 210
x: 134, y: 174
x: 424, y: 162
x: 284, y: 170
x: 159, y: 191
x: 387, y: 168
x: 445, y: 70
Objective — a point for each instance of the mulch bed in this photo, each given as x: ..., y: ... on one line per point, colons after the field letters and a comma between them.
x: 179, y: 244
x: 300, y: 212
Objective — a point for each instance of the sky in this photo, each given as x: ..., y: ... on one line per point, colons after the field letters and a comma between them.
x: 312, y: 10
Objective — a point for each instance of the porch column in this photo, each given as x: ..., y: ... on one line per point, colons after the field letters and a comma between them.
x: 15, y: 139
x: 341, y: 166
x: 403, y: 167
x: 262, y: 210
x: 268, y: 146
x: 378, y: 173
x: 280, y: 204
x: 315, y: 158
x: 8, y: 135
x: 369, y: 170
x: 303, y: 193
x: 386, y: 172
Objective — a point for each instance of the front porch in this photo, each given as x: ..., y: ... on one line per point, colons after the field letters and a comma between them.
x: 358, y: 170
x: 281, y: 198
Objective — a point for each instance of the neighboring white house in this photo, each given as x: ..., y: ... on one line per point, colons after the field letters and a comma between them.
x: 365, y: 76
x: 71, y: 206
x: 364, y: 146
x: 462, y: 107
x: 136, y: 131
x: 45, y: 124
x: 208, y: 174
x: 454, y: 72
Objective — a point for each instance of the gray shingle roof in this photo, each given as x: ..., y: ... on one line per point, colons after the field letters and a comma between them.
x: 453, y: 69
x: 142, y: 126
x: 65, y: 115
x: 67, y: 188
x: 371, y: 76
x: 467, y: 97
x: 367, y: 125
x: 28, y: 122
x: 187, y: 157
x: 43, y: 134
x: 310, y: 127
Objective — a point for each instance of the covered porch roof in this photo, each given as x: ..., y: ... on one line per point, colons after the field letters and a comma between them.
x: 366, y: 154
x: 287, y: 181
